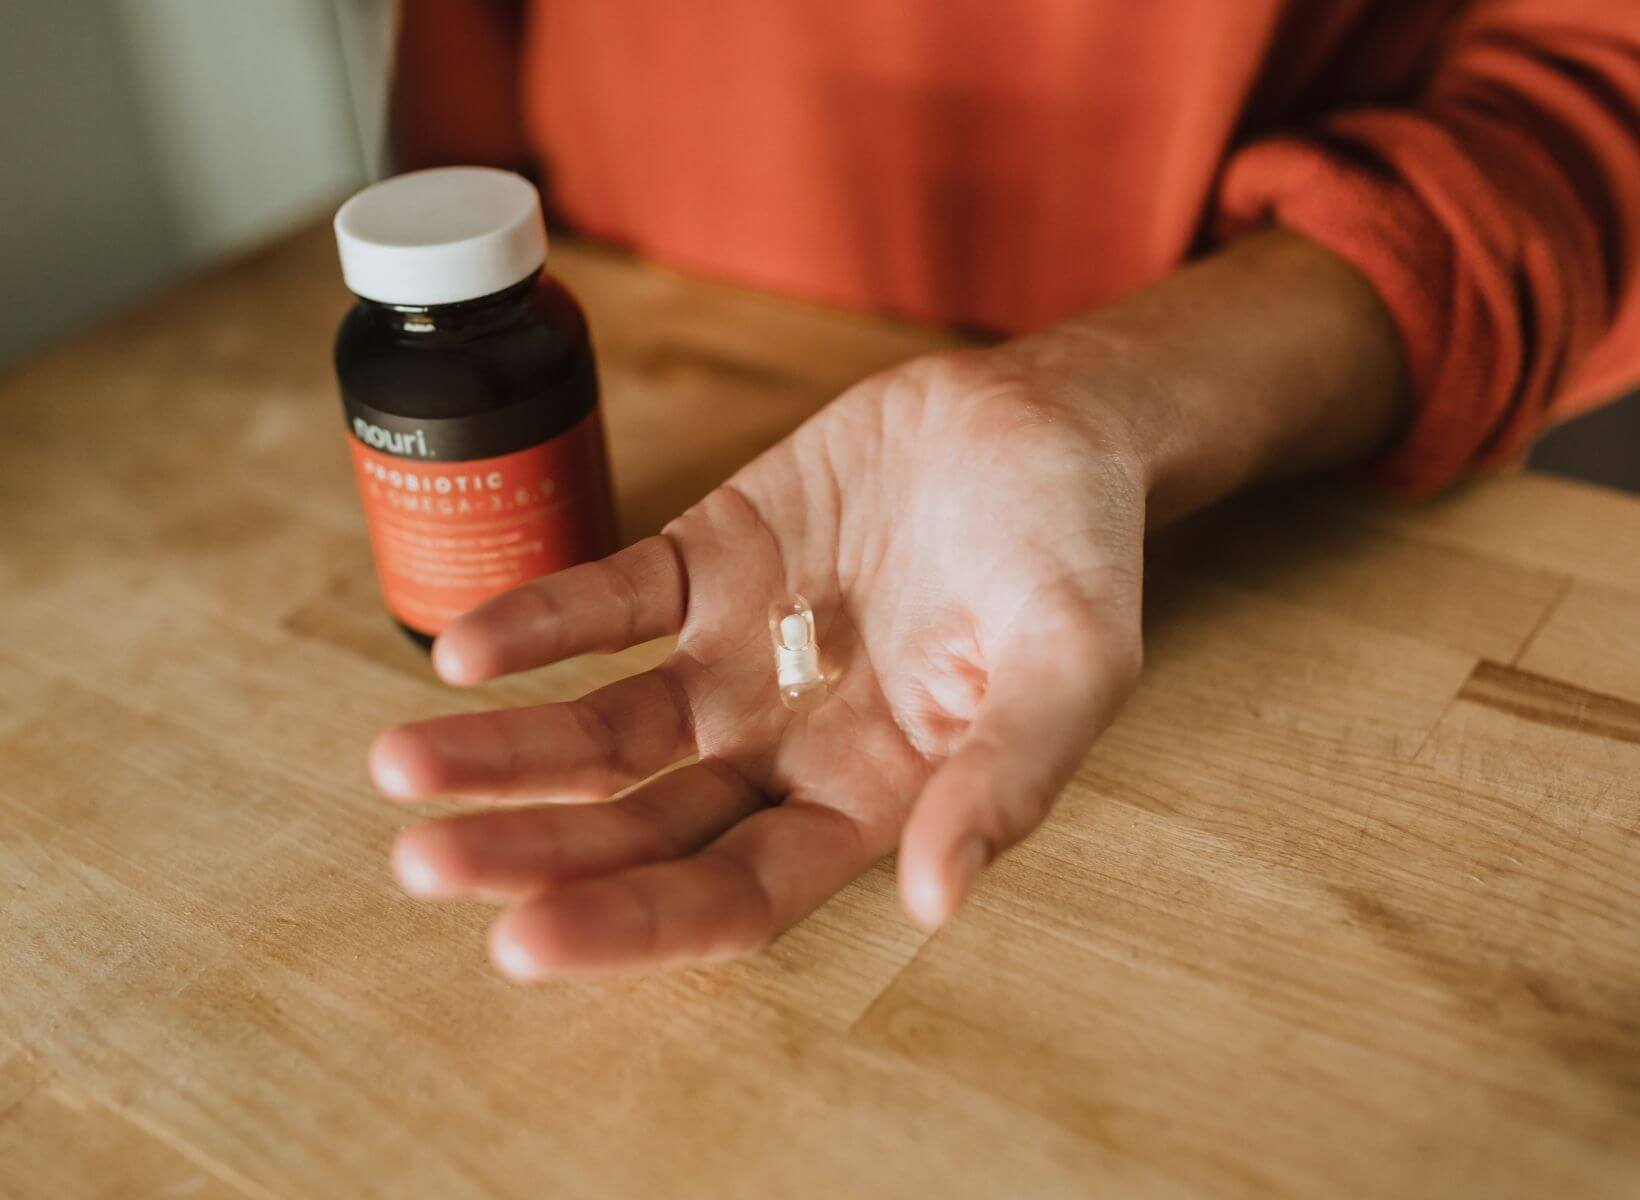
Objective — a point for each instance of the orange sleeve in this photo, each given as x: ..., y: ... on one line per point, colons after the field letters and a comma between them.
x: 455, y: 89
x: 1498, y: 215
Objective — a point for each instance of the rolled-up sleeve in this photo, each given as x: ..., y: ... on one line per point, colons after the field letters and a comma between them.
x: 1497, y: 215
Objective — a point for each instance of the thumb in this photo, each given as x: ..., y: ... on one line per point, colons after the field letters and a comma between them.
x: 1060, y: 679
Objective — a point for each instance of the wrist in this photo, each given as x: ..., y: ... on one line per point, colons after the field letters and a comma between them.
x: 1271, y: 358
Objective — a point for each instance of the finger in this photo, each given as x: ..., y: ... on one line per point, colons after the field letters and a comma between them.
x: 499, y: 855
x: 735, y: 896
x: 572, y: 752
x: 1053, y: 692
x: 632, y: 596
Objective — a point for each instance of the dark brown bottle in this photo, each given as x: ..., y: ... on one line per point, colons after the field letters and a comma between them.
x: 470, y: 394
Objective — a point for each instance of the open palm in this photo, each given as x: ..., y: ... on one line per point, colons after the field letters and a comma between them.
x: 971, y: 545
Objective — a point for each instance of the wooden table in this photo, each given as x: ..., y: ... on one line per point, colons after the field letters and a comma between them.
x: 1346, y: 903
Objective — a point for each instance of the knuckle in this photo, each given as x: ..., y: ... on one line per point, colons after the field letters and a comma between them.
x: 598, y: 732
x: 624, y: 596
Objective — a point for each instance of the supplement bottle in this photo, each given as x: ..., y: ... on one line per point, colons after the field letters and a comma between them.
x: 470, y: 394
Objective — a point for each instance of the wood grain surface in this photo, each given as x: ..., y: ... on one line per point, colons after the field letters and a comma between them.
x: 1347, y: 902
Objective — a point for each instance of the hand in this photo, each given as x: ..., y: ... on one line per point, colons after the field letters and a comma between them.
x: 970, y: 542
x: 969, y: 530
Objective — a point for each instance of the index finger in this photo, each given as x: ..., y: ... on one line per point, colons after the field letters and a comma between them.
x: 632, y: 596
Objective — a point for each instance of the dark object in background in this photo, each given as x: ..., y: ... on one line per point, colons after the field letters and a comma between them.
x: 1601, y: 447
x: 471, y: 395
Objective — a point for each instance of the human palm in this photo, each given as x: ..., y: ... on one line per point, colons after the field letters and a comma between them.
x: 970, y: 541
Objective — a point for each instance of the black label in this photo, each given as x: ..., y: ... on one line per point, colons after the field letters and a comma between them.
x: 484, y: 434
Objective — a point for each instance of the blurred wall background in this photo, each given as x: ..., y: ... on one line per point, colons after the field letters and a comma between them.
x: 141, y: 138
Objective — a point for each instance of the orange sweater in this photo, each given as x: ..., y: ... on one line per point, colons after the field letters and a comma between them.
x: 1005, y: 164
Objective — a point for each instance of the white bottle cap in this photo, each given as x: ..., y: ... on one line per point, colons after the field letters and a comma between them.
x: 439, y: 236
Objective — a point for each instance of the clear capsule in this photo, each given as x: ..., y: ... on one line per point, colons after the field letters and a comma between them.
x: 796, y: 655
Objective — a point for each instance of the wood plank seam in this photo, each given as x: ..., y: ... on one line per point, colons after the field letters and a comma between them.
x: 66, y: 1091
x: 1551, y: 702
x: 1429, y: 731
x: 1532, y: 635
x: 212, y: 1166
x: 888, y: 986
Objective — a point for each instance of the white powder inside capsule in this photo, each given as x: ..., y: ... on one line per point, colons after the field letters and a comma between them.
x: 794, y: 631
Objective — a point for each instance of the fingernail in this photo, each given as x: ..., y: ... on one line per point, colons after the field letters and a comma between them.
x: 387, y: 768
x: 415, y: 874
x: 511, y: 958
x: 448, y: 664
x: 932, y: 899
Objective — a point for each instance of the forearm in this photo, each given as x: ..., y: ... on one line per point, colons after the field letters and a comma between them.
x: 1273, y: 357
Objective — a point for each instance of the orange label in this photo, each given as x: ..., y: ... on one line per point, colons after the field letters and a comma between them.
x: 449, y: 535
